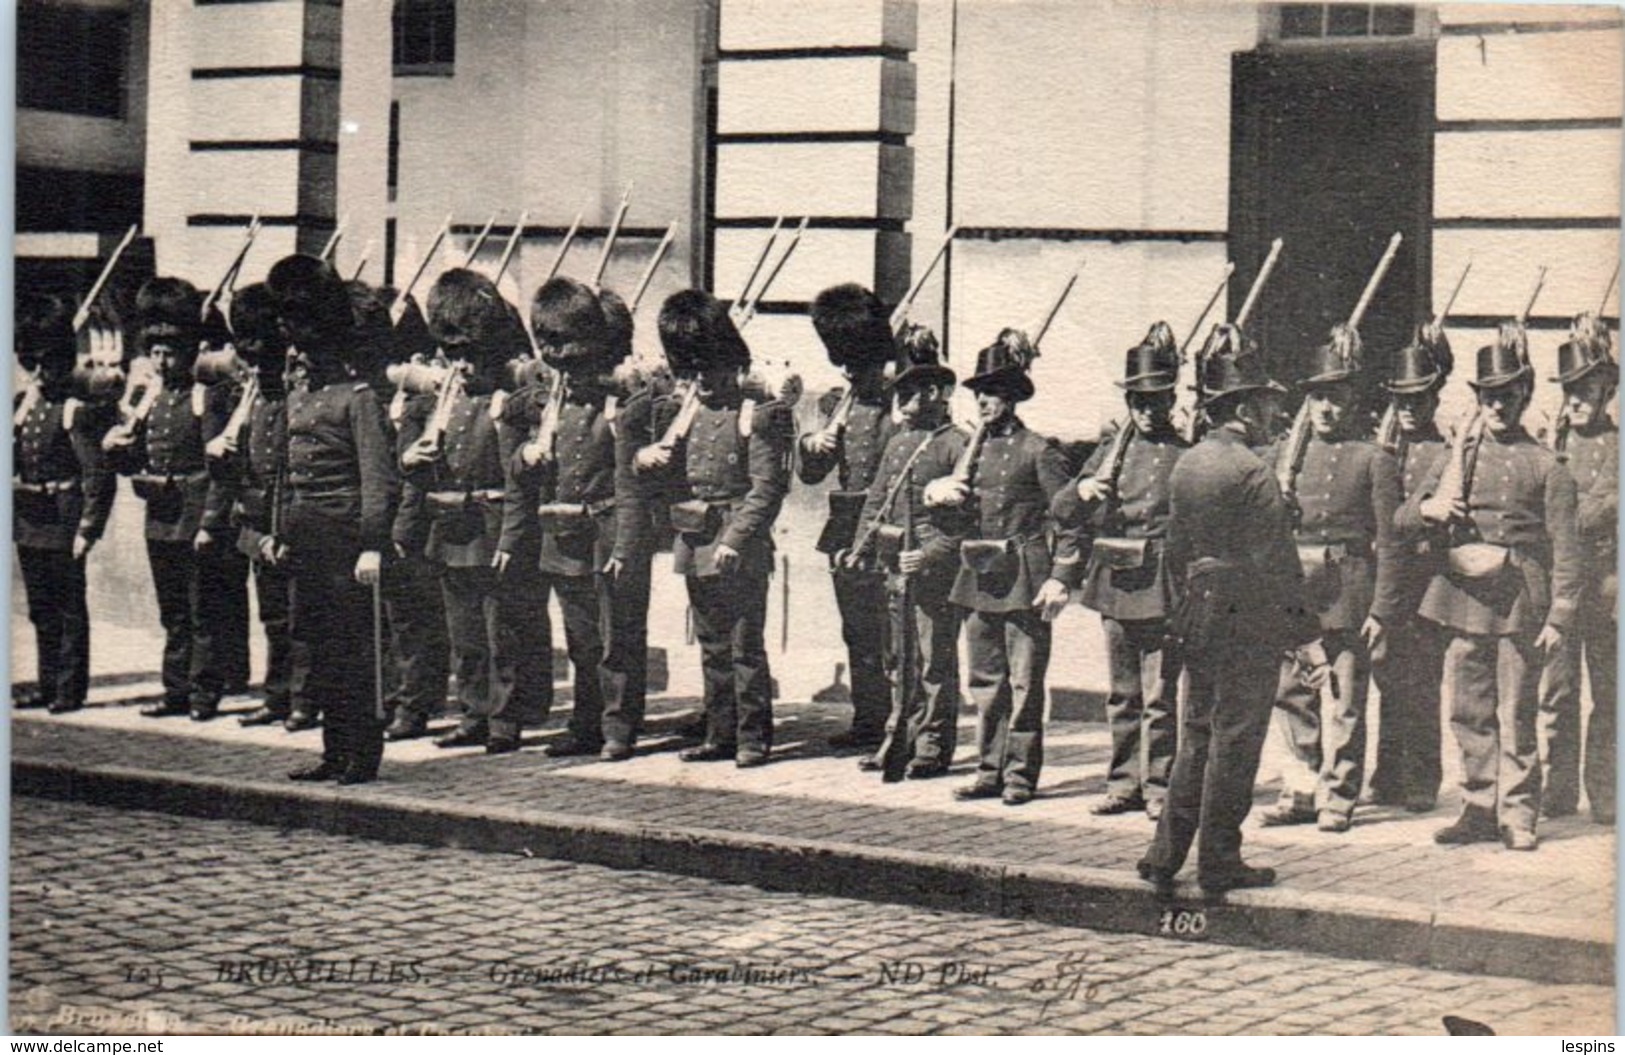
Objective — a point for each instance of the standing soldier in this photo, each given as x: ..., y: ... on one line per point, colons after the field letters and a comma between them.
x: 1590, y: 442
x: 1231, y: 557
x: 1010, y: 475
x: 856, y: 332
x: 455, y: 447
x: 564, y: 477
x: 249, y: 460
x: 1123, y: 494
x: 1408, y: 665
x: 159, y: 446
x: 922, y: 567
x: 342, y: 488
x: 1345, y: 490
x: 734, y: 454
x: 1509, y: 592
x: 62, y: 495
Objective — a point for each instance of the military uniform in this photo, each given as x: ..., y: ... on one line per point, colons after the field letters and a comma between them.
x: 1347, y: 492
x: 589, y: 513
x: 223, y: 572
x: 929, y: 719
x: 497, y: 651
x: 342, y: 492
x: 61, y: 490
x: 860, y: 592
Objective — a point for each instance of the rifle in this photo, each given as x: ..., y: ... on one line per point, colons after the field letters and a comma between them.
x: 1529, y: 306
x: 564, y: 247
x: 1389, y: 435
x: 649, y: 271
x: 361, y: 265
x: 451, y: 386
x: 1259, y: 281
x: 1218, y: 290
x: 332, y: 241
x: 1456, y: 481
x: 1608, y: 289
x: 1055, y: 306
x: 688, y: 408
x: 479, y: 241
x: 397, y: 309
x: 609, y: 239
x: 229, y: 279
x: 544, y: 444
x: 513, y: 244
x: 896, y: 751
x: 749, y: 311
x: 82, y: 316
x: 1112, y: 473
x: 761, y: 258
x: 900, y: 314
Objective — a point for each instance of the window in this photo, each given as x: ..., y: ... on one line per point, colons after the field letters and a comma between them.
x: 72, y: 59
x: 1295, y: 22
x: 425, y: 37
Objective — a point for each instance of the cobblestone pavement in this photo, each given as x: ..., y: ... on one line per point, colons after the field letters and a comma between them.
x: 130, y: 921
x: 811, y: 792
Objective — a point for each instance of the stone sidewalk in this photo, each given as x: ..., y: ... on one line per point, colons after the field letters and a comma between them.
x: 812, y: 822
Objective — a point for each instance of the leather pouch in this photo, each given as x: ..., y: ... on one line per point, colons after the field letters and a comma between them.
x: 1478, y: 560
x: 888, y: 544
x: 1121, y: 554
x: 696, y: 516
x: 564, y: 519
x: 991, y: 557
x: 845, y: 510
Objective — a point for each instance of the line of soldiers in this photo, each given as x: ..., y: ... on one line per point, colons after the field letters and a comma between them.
x: 1266, y: 574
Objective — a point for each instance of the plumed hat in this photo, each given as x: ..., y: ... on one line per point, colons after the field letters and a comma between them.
x: 1002, y: 367
x: 919, y: 360
x: 1230, y: 365
x: 1153, y: 364
x: 1588, y: 349
x: 1339, y: 359
x: 1505, y: 361
x: 1423, y: 364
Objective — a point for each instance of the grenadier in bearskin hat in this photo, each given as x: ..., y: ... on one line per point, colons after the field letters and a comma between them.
x: 455, y: 443
x: 248, y: 459
x: 735, y: 459
x: 160, y: 446
x: 1238, y: 603
x: 926, y: 446
x: 1509, y: 593
x: 1408, y: 663
x: 62, y: 494
x: 1009, y: 477
x: 342, y: 489
x: 1346, y: 489
x: 1590, y: 442
x: 567, y: 480
x: 856, y: 424
x: 1120, y: 500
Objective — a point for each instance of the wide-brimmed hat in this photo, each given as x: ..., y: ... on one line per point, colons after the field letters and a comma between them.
x: 919, y: 360
x: 1423, y: 364
x: 1339, y: 359
x: 1505, y: 361
x: 1586, y: 351
x: 1230, y: 365
x: 1153, y: 364
x: 1002, y: 367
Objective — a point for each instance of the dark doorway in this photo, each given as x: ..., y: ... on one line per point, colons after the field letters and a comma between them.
x: 1332, y: 151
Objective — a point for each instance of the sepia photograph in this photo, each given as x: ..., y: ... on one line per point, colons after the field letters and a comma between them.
x: 814, y: 517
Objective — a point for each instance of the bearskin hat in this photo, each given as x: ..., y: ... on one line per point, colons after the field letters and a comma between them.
x: 311, y: 298
x: 411, y: 335
x: 170, y: 304
x: 254, y: 321
x: 853, y: 325
x: 617, y: 327
x: 374, y: 341
x: 569, y: 323
x: 697, y: 334
x: 44, y: 339
x: 466, y: 316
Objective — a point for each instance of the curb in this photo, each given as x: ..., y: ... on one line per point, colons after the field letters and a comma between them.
x: 1365, y: 928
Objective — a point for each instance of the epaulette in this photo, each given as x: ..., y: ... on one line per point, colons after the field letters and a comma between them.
x: 200, y: 399
x: 499, y: 404
x: 70, y: 408
x: 827, y: 401
x: 361, y: 386
x: 747, y: 417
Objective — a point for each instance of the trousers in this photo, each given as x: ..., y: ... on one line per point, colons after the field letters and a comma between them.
x: 625, y: 668
x: 190, y: 674
x: 335, y: 616
x: 55, y: 584
x: 861, y: 597
x: 223, y: 592
x: 1325, y: 730
x: 1590, y: 641
x: 1009, y: 657
x: 420, y: 654
x: 1141, y: 711
x: 501, y: 650
x: 1494, y: 705
x: 287, y: 655
x: 1409, y: 677
x: 925, y: 693
x: 1221, y: 738
x: 729, y: 613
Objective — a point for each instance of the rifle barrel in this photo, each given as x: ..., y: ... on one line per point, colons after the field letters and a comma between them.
x: 756, y: 298
x: 333, y: 240
x: 1444, y: 312
x: 1540, y: 282
x: 1196, y: 327
x: 82, y: 316
x: 1608, y: 289
x: 564, y: 247
x: 761, y: 258
x: 1371, y: 285
x: 513, y: 243
x: 1055, y: 307
x: 649, y: 271
x: 423, y: 265
x: 479, y: 241
x: 900, y: 315
x: 609, y: 239
x: 1259, y: 281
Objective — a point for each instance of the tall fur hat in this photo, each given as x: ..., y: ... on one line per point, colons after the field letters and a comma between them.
x: 254, y: 322
x: 854, y: 326
x: 310, y: 296
x: 698, y: 334
x: 44, y: 337
x: 617, y: 327
x: 469, y: 318
x: 171, y: 303
x: 568, y: 321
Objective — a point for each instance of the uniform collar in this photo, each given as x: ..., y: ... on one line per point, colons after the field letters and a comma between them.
x: 1008, y: 427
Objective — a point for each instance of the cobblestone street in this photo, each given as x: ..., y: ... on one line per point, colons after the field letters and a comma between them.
x: 130, y: 921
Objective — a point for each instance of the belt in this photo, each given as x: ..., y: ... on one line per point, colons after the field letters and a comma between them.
x: 45, y: 487
x: 165, y: 479
x: 1340, y: 547
x: 454, y: 497
x: 592, y: 509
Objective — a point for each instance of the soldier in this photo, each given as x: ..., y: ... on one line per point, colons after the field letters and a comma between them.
x: 223, y: 573
x: 455, y: 446
x: 1345, y: 490
x: 1509, y: 591
x: 1122, y: 494
x: 856, y: 332
x: 1408, y: 664
x: 594, y: 554
x: 1590, y: 443
x: 1231, y: 557
x: 342, y: 489
x: 160, y: 447
x: 925, y: 447
x: 62, y: 495
x: 1005, y: 577
x: 735, y: 458
x: 250, y: 470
